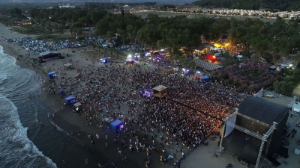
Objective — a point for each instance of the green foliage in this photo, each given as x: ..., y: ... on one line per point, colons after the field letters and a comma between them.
x: 7, y: 21
x: 290, y: 79
x: 284, y: 87
x: 16, y: 13
x: 166, y: 7
x: 183, y: 61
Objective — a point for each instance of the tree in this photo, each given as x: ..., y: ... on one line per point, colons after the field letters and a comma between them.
x: 130, y: 32
x: 283, y: 87
x: 16, y: 12
x: 96, y: 15
x: 102, y: 27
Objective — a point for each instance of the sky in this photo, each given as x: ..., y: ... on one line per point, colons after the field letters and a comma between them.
x: 158, y: 1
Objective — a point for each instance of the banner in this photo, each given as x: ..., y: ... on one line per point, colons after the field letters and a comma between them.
x: 259, y: 94
x: 230, y: 124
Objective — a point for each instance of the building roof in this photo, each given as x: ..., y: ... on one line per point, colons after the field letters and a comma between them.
x: 116, y: 123
x: 48, y: 52
x: 205, y: 45
x: 206, y: 65
x: 160, y: 88
x: 69, y: 98
x: 262, y: 110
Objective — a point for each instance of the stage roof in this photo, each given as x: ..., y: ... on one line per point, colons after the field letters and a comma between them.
x: 262, y: 110
x: 247, y: 146
x: 160, y: 88
x: 48, y: 52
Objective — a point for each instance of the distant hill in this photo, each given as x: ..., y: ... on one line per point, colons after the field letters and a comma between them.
x: 251, y: 4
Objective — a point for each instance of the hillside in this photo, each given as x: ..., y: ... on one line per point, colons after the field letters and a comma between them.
x: 251, y: 4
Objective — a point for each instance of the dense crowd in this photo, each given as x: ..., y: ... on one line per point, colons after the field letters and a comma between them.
x: 189, y: 114
x: 37, y: 46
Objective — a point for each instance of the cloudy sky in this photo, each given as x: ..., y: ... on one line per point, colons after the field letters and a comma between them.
x: 158, y: 1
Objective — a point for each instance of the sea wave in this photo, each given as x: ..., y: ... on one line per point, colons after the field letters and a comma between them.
x: 3, y: 77
x: 16, y: 149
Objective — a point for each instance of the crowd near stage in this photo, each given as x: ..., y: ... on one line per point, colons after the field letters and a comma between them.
x: 169, y: 114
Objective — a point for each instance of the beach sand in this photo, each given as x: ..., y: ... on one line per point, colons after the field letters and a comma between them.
x: 65, y: 118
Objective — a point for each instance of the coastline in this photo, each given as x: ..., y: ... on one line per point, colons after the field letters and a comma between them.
x: 69, y: 122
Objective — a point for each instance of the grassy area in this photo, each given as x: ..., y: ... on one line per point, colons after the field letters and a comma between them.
x: 7, y: 21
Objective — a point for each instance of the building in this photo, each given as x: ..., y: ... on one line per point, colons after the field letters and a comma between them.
x: 67, y: 6
x: 23, y: 22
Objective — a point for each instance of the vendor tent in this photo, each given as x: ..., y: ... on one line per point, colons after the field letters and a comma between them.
x: 239, y: 56
x: 273, y: 67
x: 77, y: 107
x: 204, y: 79
x: 51, y: 75
x: 70, y: 100
x: 103, y: 60
x: 146, y: 92
x: 160, y: 91
x: 116, y: 126
x: 211, y: 58
x: 129, y: 61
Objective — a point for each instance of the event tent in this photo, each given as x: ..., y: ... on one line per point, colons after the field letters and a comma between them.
x: 160, y: 91
x: 116, y: 126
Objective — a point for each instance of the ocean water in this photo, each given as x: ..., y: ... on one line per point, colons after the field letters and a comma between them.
x: 16, y: 148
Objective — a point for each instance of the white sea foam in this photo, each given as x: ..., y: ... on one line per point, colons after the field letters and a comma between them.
x: 16, y: 149
x: 3, y: 77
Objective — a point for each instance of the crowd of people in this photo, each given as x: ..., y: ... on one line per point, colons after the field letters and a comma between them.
x: 176, y: 124
x: 37, y: 46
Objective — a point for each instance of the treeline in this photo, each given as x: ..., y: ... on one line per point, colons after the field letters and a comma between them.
x: 271, y: 41
x: 251, y: 4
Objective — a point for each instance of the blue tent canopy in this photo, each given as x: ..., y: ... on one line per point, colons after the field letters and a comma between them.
x: 204, y: 79
x: 51, y: 75
x: 159, y: 57
x: 70, y: 100
x: 146, y: 92
x: 104, y: 60
x: 61, y: 91
x: 129, y: 61
x: 116, y: 125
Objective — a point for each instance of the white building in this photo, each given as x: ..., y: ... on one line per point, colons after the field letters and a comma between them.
x: 66, y: 6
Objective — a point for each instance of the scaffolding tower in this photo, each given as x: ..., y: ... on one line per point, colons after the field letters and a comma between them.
x: 263, y: 137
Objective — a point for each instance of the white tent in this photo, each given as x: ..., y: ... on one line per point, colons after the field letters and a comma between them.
x: 239, y: 57
x: 296, y: 107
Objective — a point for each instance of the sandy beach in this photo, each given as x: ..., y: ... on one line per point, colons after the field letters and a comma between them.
x: 71, y: 123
